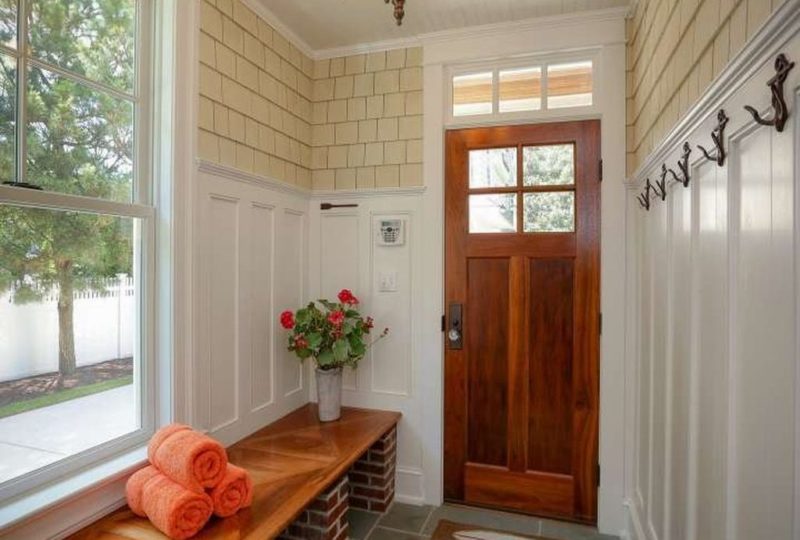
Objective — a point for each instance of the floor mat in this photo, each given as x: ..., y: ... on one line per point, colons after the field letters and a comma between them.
x: 449, y: 530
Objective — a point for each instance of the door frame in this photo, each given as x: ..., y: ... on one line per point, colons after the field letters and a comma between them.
x: 604, y: 34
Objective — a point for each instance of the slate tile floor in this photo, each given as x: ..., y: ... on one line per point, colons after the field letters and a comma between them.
x: 408, y: 522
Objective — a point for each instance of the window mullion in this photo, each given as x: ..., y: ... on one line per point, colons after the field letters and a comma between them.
x: 22, y: 90
x: 94, y: 85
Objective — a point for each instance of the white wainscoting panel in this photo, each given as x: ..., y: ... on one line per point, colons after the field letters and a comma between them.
x: 344, y: 254
x: 251, y: 263
x: 716, y: 429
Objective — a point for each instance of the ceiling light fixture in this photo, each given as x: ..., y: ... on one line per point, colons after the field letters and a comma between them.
x: 399, y: 10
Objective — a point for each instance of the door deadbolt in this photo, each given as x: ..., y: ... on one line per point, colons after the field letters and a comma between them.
x: 455, y: 332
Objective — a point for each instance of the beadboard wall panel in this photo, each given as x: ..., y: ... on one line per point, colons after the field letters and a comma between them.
x: 717, y: 377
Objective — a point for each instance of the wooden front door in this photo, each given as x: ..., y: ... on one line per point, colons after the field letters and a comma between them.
x: 522, y: 278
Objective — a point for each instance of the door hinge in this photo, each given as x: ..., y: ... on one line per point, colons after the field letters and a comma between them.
x: 601, y: 170
x: 598, y: 475
x: 443, y: 324
x: 600, y: 323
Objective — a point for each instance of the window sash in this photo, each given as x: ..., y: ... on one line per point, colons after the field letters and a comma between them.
x: 543, y: 61
x: 141, y: 208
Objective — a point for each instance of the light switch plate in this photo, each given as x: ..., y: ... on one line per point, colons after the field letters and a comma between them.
x: 387, y: 281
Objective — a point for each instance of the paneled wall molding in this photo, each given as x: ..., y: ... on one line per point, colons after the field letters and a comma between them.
x: 713, y: 309
x: 781, y: 26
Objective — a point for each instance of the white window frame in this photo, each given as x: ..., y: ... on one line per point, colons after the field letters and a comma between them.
x: 142, y: 208
x: 542, y: 114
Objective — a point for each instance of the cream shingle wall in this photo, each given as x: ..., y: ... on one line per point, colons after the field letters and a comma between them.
x: 367, y: 121
x: 675, y: 50
x: 255, y: 95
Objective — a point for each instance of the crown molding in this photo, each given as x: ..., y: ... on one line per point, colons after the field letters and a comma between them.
x: 534, y: 23
x: 443, y: 36
x: 366, y: 48
x: 269, y: 16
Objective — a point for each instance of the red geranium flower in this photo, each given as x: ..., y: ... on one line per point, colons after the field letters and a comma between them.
x: 336, y: 318
x: 346, y: 297
x: 287, y: 320
x: 300, y: 342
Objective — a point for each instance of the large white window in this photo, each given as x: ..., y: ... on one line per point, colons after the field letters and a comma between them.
x: 76, y: 236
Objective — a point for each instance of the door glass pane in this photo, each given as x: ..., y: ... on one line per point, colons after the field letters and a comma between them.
x: 495, y: 213
x: 8, y: 118
x: 521, y: 90
x: 569, y: 85
x: 496, y: 167
x: 68, y: 321
x: 549, y: 212
x: 472, y: 94
x: 93, y: 39
x: 80, y: 141
x: 8, y: 23
x: 549, y: 165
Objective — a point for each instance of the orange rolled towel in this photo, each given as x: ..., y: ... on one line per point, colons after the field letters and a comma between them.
x: 233, y: 493
x: 187, y: 457
x: 173, y: 509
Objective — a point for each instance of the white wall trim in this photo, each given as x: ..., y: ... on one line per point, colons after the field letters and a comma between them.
x: 635, y: 530
x: 444, y: 36
x: 267, y: 14
x: 484, y: 30
x: 526, y: 25
x: 367, y: 193
x: 782, y: 24
x: 250, y: 178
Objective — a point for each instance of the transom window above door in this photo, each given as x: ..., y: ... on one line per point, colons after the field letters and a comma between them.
x: 522, y: 88
x: 522, y: 189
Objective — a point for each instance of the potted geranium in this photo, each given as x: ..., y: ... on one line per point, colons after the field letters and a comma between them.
x: 335, y: 335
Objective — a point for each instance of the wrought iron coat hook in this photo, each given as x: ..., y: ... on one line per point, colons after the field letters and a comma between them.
x: 644, y: 198
x: 781, y: 112
x: 683, y: 165
x: 718, y: 136
x: 661, y: 183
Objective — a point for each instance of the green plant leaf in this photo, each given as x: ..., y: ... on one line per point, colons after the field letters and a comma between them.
x: 325, y: 359
x: 314, y: 340
x: 341, y: 349
x: 357, y: 347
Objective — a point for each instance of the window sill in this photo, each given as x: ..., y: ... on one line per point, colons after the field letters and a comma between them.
x: 63, y: 507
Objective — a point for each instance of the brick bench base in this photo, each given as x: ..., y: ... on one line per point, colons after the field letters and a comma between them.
x: 368, y: 485
x: 372, y: 476
x: 325, y: 518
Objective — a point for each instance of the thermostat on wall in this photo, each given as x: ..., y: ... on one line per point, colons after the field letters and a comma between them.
x: 391, y: 233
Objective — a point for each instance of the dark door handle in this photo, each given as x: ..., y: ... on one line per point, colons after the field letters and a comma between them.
x: 455, y: 332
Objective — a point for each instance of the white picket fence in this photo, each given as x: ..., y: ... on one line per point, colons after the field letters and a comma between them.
x: 104, y: 321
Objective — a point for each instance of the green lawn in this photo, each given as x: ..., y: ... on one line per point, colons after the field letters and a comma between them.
x: 63, y: 395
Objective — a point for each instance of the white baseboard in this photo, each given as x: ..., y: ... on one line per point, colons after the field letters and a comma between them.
x: 635, y: 530
x: 409, y: 486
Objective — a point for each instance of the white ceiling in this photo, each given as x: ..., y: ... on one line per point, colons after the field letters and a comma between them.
x: 327, y: 24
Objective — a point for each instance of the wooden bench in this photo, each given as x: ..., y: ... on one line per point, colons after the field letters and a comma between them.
x: 305, y: 475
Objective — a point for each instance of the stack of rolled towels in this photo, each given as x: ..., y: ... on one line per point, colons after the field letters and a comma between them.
x: 188, y: 479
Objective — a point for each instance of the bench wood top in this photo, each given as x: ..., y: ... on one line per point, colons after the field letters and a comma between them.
x: 291, y: 461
